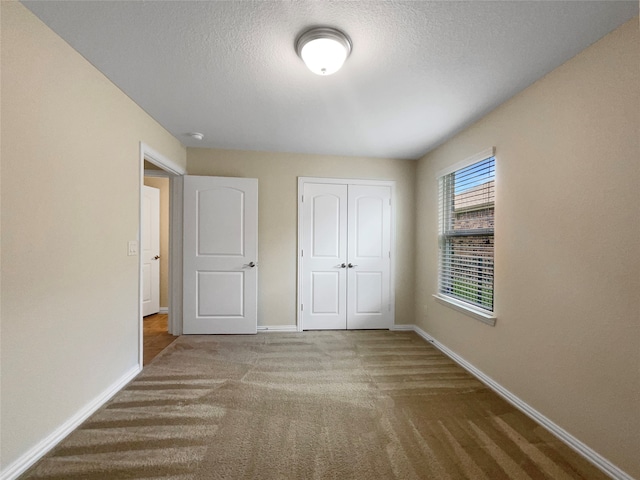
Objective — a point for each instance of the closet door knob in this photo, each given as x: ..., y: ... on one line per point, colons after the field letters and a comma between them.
x: 351, y: 265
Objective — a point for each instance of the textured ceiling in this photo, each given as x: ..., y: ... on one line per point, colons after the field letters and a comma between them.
x: 419, y: 71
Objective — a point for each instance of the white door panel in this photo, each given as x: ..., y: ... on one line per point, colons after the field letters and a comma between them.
x: 221, y: 217
x: 369, y: 280
x: 150, y: 250
x: 220, y: 255
x: 346, y: 265
x: 220, y: 294
x: 325, y: 293
x: 369, y: 296
x: 324, y: 252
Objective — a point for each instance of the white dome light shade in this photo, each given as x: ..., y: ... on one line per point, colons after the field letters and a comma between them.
x: 323, y: 56
x: 323, y: 50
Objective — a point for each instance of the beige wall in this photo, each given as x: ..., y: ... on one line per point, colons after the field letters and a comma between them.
x: 277, y: 175
x: 163, y: 185
x: 567, y: 339
x: 70, y: 195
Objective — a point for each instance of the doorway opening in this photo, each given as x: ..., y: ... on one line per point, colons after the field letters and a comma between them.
x: 154, y: 249
x: 156, y: 336
x: 160, y: 328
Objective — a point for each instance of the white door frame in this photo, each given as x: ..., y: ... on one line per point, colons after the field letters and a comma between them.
x: 345, y: 181
x: 174, y: 173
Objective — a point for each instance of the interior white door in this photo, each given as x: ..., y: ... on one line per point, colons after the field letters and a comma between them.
x: 324, y: 253
x: 346, y: 256
x: 220, y: 255
x: 369, y: 265
x: 150, y: 241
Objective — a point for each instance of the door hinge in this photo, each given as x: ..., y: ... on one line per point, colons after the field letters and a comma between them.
x: 302, y: 198
x: 302, y: 253
x: 301, y: 307
x: 389, y: 202
x: 389, y: 253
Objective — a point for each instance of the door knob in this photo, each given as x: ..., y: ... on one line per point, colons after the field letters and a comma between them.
x: 351, y: 265
x: 343, y: 265
x: 156, y: 257
x: 250, y: 264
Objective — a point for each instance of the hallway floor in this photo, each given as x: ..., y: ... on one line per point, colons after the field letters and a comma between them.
x: 156, y: 337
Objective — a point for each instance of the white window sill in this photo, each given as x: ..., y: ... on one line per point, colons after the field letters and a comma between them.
x: 467, y: 309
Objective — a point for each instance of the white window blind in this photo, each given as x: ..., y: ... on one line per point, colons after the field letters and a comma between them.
x: 466, y: 217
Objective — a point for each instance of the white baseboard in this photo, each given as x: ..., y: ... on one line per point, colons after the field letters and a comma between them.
x: 594, y: 457
x: 34, y: 454
x: 403, y: 328
x: 278, y: 328
x: 164, y: 310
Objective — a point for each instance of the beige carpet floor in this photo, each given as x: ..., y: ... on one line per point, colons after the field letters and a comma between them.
x: 316, y: 405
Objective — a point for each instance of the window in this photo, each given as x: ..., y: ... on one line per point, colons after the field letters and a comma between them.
x: 466, y: 243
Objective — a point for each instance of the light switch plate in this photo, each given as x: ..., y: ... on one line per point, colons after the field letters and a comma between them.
x: 132, y: 248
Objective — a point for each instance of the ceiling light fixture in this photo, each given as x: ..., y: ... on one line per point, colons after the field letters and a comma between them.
x: 323, y: 49
x: 196, y: 135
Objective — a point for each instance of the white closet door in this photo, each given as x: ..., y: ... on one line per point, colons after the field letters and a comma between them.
x: 324, y: 252
x: 369, y: 257
x: 220, y: 255
x: 345, y: 237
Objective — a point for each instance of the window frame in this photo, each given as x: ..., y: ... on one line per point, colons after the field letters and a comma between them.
x: 484, y: 315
